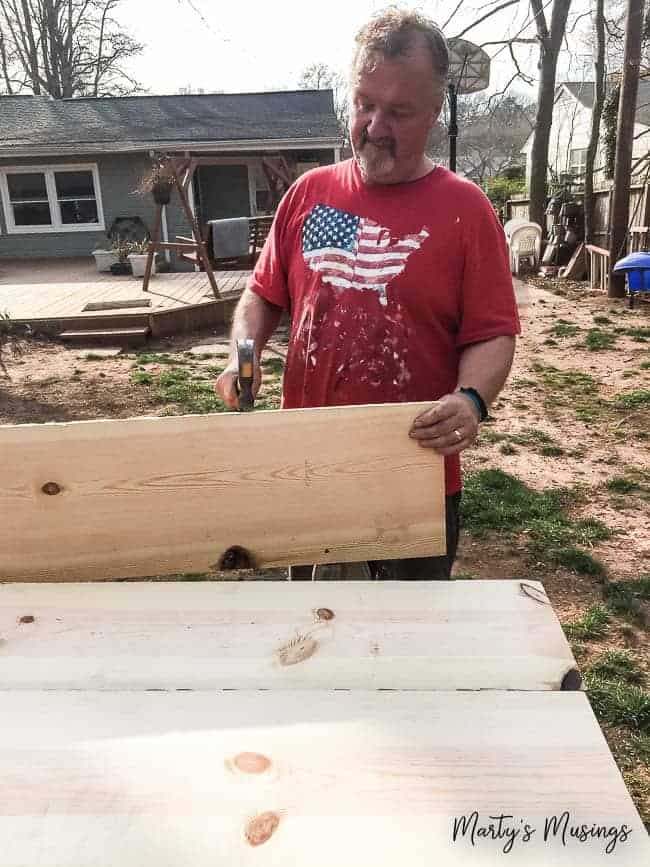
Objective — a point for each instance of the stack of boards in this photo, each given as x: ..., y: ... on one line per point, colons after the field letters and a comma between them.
x: 158, y: 724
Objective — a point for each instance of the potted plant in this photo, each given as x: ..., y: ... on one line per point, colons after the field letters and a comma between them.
x: 158, y: 181
x: 121, y: 248
x: 138, y: 258
x: 105, y: 258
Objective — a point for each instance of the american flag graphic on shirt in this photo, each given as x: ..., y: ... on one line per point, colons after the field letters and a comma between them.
x: 353, y: 252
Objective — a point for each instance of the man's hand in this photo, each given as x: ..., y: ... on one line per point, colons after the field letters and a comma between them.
x: 448, y: 427
x: 226, y: 384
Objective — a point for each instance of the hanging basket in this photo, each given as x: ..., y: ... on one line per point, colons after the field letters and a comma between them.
x: 162, y: 193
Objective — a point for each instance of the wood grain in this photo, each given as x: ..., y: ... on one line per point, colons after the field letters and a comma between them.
x: 162, y: 779
x: 251, y: 635
x: 158, y: 496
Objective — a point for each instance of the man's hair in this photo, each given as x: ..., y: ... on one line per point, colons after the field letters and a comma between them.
x: 394, y: 33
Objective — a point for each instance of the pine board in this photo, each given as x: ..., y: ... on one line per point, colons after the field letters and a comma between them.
x: 197, y: 635
x: 376, y: 779
x: 158, y: 496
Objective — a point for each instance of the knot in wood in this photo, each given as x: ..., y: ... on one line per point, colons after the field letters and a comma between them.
x: 251, y: 763
x: 51, y: 488
x: 27, y: 618
x: 235, y: 557
x: 324, y: 614
x: 261, y: 828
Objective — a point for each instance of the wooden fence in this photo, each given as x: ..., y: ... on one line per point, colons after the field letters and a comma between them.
x: 639, y: 215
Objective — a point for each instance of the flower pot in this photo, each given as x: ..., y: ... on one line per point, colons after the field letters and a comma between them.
x: 162, y: 193
x: 139, y: 263
x: 104, y: 259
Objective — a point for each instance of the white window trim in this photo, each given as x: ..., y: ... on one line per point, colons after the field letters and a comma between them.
x: 57, y: 227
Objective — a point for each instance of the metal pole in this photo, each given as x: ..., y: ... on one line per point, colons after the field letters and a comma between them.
x: 453, y: 125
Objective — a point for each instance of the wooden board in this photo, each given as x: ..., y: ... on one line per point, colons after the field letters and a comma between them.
x: 163, y: 779
x: 157, y: 496
x: 281, y: 635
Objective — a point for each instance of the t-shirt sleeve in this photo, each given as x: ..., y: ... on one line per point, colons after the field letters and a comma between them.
x: 270, y: 276
x: 488, y: 303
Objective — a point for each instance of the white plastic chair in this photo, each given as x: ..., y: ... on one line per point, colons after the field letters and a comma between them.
x: 525, y: 242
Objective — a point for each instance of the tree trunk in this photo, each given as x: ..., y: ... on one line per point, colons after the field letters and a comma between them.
x: 596, y: 115
x: 620, y: 211
x: 3, y: 62
x: 549, y: 48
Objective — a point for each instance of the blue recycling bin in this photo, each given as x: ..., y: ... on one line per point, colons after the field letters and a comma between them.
x: 636, y: 267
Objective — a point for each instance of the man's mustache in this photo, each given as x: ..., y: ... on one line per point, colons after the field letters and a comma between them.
x: 385, y: 142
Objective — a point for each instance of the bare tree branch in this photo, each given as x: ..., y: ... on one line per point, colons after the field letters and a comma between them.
x: 453, y: 14
x: 486, y: 16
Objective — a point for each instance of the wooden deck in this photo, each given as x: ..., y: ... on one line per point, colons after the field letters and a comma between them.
x: 54, y: 299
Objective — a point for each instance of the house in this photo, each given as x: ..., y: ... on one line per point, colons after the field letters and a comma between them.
x: 571, y: 130
x: 69, y: 168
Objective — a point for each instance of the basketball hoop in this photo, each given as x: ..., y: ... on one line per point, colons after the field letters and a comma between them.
x: 469, y: 72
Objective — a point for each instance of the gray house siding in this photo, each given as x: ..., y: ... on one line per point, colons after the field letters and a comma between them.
x: 118, y: 178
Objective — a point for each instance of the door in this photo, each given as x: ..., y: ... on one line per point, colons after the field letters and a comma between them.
x: 223, y: 192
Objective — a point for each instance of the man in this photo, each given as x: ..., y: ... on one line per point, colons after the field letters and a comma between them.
x: 395, y: 271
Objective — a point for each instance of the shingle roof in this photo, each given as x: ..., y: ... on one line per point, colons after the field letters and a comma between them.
x: 584, y: 92
x: 99, y: 123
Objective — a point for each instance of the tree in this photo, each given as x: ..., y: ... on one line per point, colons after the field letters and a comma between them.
x: 620, y: 210
x: 550, y: 42
x: 319, y: 76
x: 492, y: 132
x: 65, y: 48
x: 596, y: 115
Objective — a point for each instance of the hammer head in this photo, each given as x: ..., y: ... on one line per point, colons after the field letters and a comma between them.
x: 245, y: 351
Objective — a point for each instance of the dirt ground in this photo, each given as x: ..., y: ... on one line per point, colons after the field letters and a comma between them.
x: 575, y: 413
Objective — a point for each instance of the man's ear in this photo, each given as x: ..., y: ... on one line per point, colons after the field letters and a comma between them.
x: 438, y: 102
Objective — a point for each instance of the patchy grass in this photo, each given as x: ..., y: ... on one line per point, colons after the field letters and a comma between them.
x: 158, y: 358
x: 626, y: 598
x: 616, y: 665
x: 494, y: 501
x: 602, y: 320
x: 563, y: 328
x: 639, y: 397
x: 273, y: 365
x: 141, y: 377
x: 597, y: 340
x: 594, y: 623
x: 577, y: 560
x: 621, y: 485
x: 619, y: 703
x: 645, y: 365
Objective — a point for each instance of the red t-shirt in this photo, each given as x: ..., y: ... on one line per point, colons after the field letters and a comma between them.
x: 386, y: 284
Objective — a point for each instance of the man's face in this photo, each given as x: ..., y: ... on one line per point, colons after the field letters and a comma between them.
x: 393, y: 108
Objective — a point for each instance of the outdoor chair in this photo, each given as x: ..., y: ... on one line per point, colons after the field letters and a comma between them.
x: 524, y: 243
x: 258, y: 230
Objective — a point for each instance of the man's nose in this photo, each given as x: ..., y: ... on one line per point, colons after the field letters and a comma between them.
x: 378, y: 126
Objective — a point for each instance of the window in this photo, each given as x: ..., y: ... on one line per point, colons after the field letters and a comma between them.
x: 52, y: 199
x: 578, y: 162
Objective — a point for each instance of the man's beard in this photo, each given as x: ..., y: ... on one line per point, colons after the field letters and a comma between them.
x: 376, y: 158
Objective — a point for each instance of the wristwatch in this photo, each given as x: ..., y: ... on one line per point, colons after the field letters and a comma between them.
x: 478, y: 402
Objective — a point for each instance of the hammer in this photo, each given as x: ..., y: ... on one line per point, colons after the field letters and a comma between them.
x: 245, y: 349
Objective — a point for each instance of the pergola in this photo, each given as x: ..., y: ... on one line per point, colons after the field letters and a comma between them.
x: 279, y: 174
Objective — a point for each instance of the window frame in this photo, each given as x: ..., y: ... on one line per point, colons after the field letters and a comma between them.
x: 578, y: 169
x: 58, y: 226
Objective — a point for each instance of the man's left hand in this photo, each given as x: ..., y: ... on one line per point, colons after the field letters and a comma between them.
x: 448, y: 427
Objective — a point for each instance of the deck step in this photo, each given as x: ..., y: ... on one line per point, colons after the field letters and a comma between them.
x: 130, y: 336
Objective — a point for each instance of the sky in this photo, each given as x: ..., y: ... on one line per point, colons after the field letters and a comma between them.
x: 259, y: 46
